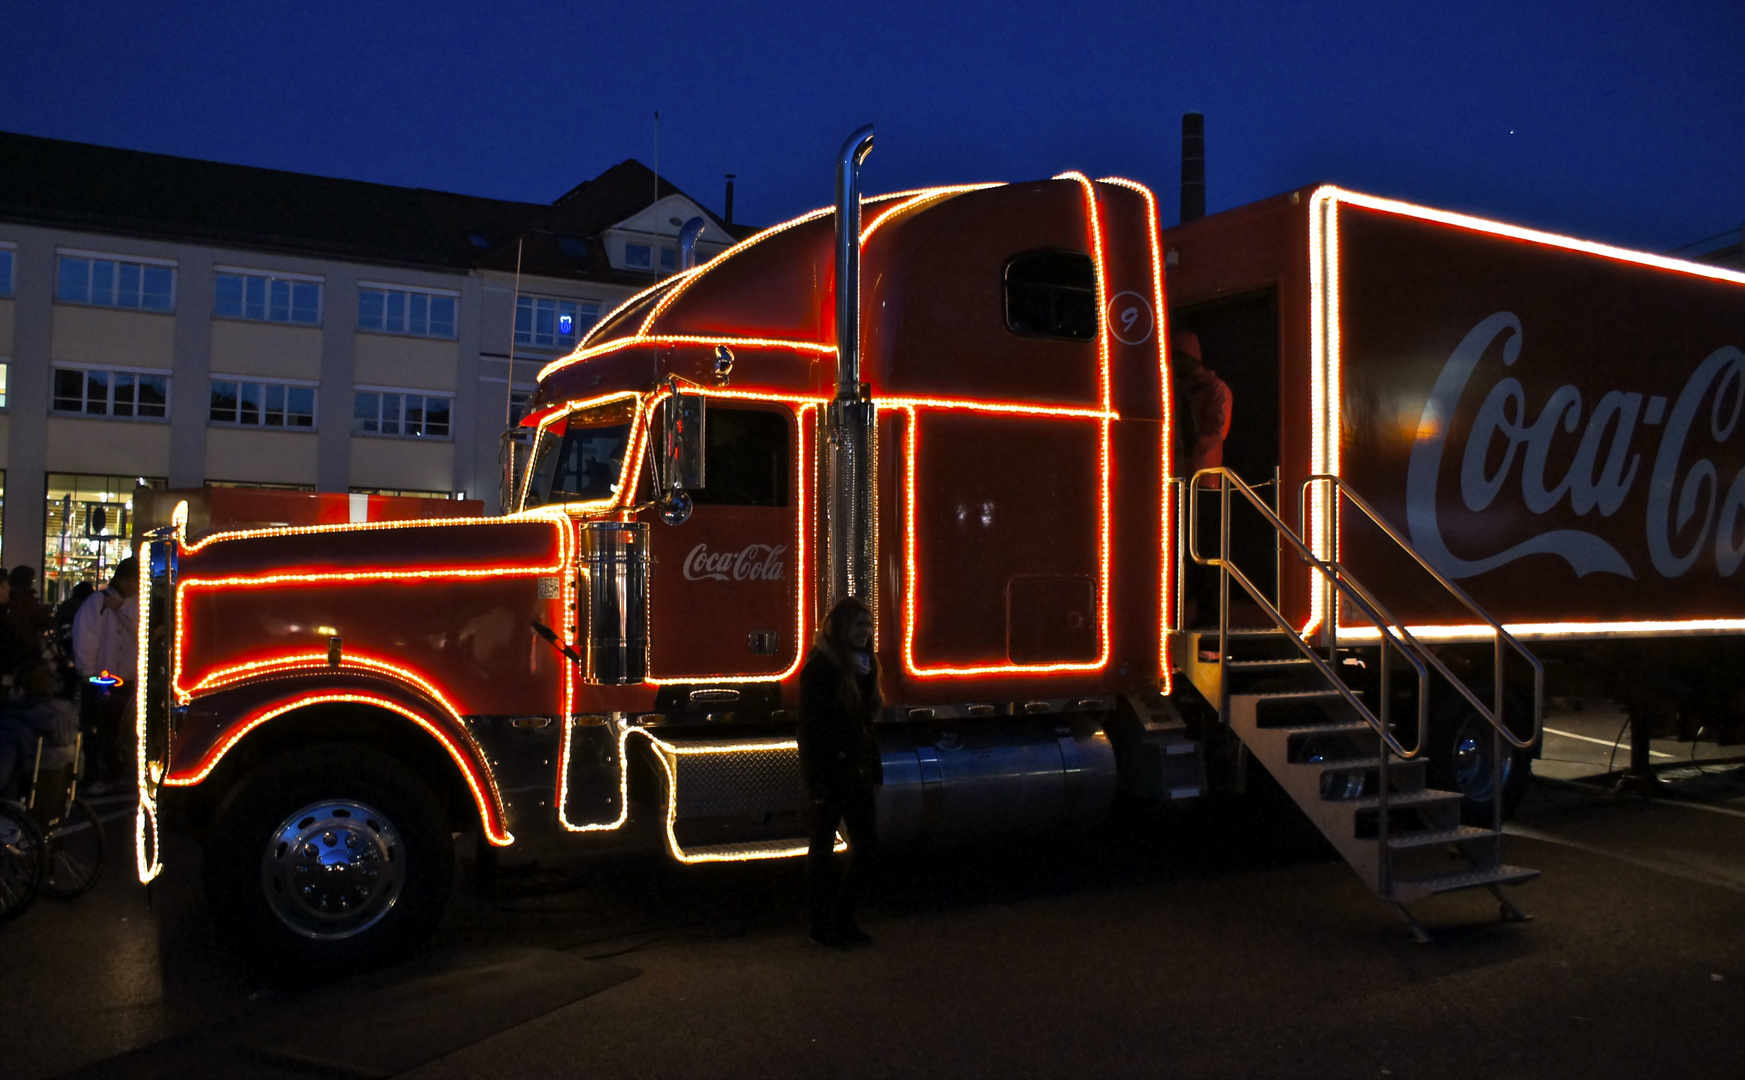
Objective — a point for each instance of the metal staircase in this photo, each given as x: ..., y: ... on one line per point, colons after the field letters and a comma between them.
x: 1355, y: 769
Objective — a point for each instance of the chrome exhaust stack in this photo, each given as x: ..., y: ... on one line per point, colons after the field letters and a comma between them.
x: 850, y: 505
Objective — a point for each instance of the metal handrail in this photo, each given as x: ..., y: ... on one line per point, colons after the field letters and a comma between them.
x: 1494, y: 716
x: 1340, y: 581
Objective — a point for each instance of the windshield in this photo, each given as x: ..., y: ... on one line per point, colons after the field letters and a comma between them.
x: 581, y: 458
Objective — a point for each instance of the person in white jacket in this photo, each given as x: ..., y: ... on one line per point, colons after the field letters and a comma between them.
x: 105, y: 638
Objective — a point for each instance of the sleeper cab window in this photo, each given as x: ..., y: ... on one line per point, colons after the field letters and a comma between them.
x: 1052, y: 294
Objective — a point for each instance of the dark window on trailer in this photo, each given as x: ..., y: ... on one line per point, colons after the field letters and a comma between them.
x: 1052, y: 294
x: 746, y: 458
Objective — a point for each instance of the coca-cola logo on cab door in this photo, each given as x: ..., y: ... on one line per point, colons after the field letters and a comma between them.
x: 754, y: 562
x: 1692, y: 511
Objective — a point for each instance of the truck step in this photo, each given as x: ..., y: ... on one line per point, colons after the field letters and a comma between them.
x: 1406, y: 890
x: 1407, y: 800
x: 1424, y: 838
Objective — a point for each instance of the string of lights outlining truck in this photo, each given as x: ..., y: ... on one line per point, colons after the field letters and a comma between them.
x: 1467, y: 459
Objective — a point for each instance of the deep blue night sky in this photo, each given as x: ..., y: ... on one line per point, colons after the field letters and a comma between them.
x: 1617, y: 121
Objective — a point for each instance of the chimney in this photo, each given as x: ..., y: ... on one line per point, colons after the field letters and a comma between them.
x: 1193, y: 166
x: 727, y: 215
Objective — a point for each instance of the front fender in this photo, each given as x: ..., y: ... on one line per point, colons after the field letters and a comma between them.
x: 214, y: 724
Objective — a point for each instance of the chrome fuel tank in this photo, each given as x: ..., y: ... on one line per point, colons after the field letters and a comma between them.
x: 979, y: 780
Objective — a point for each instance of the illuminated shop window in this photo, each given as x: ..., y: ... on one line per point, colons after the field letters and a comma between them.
x: 268, y: 298
x: 1052, y: 294
x: 261, y: 404
x: 5, y: 371
x: 390, y: 309
x: 401, y: 413
x: 116, y: 282
x: 6, y: 259
x: 544, y: 322
x: 86, y: 521
x: 638, y: 257
x: 122, y: 395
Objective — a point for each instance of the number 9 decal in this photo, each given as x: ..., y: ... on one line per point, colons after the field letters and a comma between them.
x: 1129, y: 317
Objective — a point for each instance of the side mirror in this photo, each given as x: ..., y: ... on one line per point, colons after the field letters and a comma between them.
x: 686, y: 418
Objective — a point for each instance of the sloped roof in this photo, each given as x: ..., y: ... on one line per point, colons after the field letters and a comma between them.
x: 104, y: 189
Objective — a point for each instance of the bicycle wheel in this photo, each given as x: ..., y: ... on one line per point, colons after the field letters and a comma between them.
x: 20, y: 860
x: 73, y: 853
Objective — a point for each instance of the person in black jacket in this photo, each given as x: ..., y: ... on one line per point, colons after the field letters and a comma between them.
x: 839, y: 761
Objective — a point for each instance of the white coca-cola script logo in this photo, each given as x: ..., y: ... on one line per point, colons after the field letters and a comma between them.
x: 1599, y: 476
x: 756, y: 562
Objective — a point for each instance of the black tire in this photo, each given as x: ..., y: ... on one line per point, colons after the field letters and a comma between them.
x: 73, y: 853
x: 20, y: 860
x: 370, y: 826
x: 1461, y: 750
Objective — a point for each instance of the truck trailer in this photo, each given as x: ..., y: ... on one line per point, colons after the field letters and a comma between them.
x: 1469, y: 462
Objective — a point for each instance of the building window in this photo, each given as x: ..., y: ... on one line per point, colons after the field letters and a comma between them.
x: 401, y: 493
x: 546, y: 323
x: 86, y: 532
x: 639, y: 256
x: 6, y: 258
x: 134, y: 395
x: 405, y: 311
x: 397, y: 412
x: 261, y: 404
x: 268, y: 298
x: 259, y: 485
x: 5, y: 371
x: 669, y: 260
x: 116, y: 283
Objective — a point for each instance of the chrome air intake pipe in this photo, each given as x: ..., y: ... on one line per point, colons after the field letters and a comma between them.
x: 850, y: 500
x: 614, y: 601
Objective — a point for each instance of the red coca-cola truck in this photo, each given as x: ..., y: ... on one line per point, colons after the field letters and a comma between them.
x: 956, y: 403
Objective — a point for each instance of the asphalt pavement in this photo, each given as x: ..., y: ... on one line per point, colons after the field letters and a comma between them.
x: 1216, y: 938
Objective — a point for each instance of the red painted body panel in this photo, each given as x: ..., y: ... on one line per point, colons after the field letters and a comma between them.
x: 451, y: 603
x: 1502, y: 475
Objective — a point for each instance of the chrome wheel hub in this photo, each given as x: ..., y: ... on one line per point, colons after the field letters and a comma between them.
x: 333, y: 869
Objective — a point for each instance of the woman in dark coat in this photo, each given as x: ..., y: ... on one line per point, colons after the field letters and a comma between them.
x: 839, y: 761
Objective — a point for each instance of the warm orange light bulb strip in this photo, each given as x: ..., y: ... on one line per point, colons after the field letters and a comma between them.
x: 816, y: 348
x: 318, y: 661
x: 912, y: 199
x: 1325, y: 370
x: 1103, y: 417
x: 565, y: 538
x: 803, y: 452
x: 668, y: 753
x: 145, y: 815
x: 495, y: 830
x: 1165, y: 438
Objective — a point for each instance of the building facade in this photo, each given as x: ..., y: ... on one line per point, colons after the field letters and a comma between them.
x: 172, y: 322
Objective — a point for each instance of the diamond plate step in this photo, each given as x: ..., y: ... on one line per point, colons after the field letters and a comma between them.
x: 1409, y: 889
x: 1424, y: 838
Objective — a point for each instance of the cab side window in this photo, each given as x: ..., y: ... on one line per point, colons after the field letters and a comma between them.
x: 746, y: 458
x: 1052, y: 294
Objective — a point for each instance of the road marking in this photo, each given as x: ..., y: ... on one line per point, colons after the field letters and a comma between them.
x: 1527, y: 832
x: 1700, y: 806
x: 1619, y: 743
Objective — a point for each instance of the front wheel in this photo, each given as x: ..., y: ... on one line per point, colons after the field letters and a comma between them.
x: 331, y: 860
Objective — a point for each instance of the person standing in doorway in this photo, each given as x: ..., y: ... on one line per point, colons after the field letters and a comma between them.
x: 1204, y: 402
x: 839, y: 763
x: 105, y: 640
